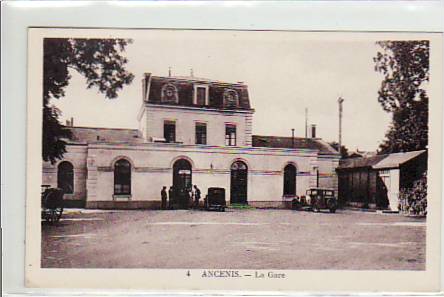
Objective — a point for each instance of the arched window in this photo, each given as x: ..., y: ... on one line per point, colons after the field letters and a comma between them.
x: 290, y: 180
x: 122, y: 177
x: 65, y: 177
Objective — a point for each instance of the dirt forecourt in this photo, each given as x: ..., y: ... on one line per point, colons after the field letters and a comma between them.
x: 235, y: 239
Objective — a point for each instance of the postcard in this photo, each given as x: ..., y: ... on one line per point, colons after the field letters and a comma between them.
x: 234, y: 160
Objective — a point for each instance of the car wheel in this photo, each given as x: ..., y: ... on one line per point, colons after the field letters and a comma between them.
x: 332, y: 205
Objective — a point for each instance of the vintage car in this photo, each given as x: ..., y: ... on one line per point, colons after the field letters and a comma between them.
x: 215, y: 199
x: 320, y: 198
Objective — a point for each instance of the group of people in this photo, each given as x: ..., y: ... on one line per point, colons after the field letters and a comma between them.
x: 191, y: 196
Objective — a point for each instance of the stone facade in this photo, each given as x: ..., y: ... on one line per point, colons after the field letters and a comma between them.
x: 94, y: 152
x: 154, y: 116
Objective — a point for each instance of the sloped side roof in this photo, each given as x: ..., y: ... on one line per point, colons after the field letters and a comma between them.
x: 380, y: 161
x: 97, y: 135
x: 396, y: 159
x: 360, y: 162
x: 185, y: 89
x: 296, y: 142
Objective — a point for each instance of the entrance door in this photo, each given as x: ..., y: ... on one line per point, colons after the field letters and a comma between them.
x: 239, y: 181
x: 182, y: 182
x: 290, y: 180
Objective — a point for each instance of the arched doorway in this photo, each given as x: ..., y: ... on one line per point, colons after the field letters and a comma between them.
x: 182, y: 183
x: 65, y: 177
x: 239, y: 181
x: 290, y: 180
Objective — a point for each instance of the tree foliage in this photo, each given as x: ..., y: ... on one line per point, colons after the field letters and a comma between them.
x: 405, y: 66
x: 99, y: 61
x: 414, y: 200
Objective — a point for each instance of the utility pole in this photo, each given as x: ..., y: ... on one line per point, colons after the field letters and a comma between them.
x: 340, y: 101
x: 306, y: 122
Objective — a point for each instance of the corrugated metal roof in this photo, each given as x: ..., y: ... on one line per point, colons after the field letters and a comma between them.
x: 396, y: 159
x: 379, y: 161
x: 296, y: 143
x: 360, y: 162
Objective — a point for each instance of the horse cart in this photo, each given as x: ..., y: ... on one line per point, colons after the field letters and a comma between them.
x: 52, y: 204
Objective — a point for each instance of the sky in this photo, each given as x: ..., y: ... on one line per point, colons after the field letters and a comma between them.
x: 286, y: 72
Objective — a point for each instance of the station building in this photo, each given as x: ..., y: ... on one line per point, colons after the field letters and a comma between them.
x: 192, y: 131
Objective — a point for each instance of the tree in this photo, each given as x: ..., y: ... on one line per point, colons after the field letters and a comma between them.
x: 100, y: 61
x: 344, y: 150
x: 405, y: 66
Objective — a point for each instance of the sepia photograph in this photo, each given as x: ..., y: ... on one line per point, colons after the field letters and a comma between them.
x: 238, y: 154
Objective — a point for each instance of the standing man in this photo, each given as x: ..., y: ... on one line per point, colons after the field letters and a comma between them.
x: 196, y: 196
x: 170, y: 196
x: 163, y: 195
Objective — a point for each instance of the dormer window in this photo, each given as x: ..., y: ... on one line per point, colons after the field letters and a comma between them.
x: 231, y: 98
x: 169, y: 94
x: 201, y: 94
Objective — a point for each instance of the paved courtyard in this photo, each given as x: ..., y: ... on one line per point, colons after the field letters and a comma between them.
x: 236, y: 239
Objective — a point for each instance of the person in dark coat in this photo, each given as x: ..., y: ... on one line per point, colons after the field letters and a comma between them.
x: 196, y: 196
x: 189, y: 196
x: 164, y: 196
x: 170, y: 197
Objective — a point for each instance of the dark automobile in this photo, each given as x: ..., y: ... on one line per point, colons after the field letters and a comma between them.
x: 322, y: 199
x: 215, y: 199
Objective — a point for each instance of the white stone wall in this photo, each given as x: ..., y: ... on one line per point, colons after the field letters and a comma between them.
x: 152, y: 169
x: 186, y: 118
x: 76, y: 154
x: 327, y: 169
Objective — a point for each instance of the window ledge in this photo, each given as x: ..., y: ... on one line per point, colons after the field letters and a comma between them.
x: 122, y: 197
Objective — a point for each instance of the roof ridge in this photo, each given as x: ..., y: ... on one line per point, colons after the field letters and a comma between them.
x: 103, y: 128
x: 290, y: 137
x: 199, y: 79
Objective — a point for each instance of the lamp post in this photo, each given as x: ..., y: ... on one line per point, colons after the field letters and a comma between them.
x: 316, y: 171
x: 340, y: 101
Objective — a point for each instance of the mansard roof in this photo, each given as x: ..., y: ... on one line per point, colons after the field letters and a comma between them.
x: 185, y: 91
x: 98, y: 135
x: 296, y: 143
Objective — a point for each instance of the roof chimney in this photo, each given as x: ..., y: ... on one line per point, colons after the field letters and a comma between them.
x: 169, y: 71
x: 72, y: 122
x: 313, y: 131
x: 292, y: 137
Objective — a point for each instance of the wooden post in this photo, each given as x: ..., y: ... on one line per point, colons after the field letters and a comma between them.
x: 340, y: 101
